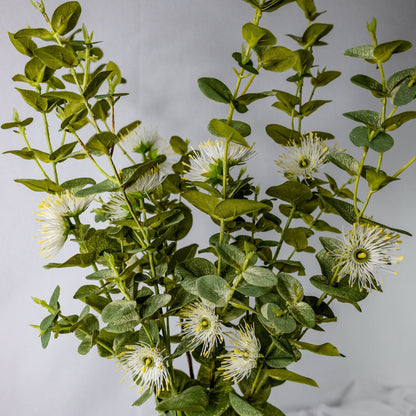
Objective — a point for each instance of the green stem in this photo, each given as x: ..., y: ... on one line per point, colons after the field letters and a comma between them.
x: 280, y: 243
x: 404, y: 167
x: 92, y: 158
x: 48, y: 140
x: 357, y: 181
x: 253, y: 390
x: 23, y: 133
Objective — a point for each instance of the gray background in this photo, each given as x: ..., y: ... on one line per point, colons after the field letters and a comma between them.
x: 163, y: 47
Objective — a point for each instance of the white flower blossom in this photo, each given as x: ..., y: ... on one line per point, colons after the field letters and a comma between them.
x: 116, y: 207
x: 240, y: 361
x: 142, y: 139
x: 147, y: 182
x: 53, y: 212
x: 207, y: 162
x: 202, y: 326
x: 145, y: 365
x: 365, y: 250
x: 304, y: 161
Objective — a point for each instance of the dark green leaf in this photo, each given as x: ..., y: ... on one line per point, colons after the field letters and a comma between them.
x: 193, y: 398
x: 291, y: 191
x: 62, y: 151
x: 309, y: 8
x: 105, y: 186
x: 404, y: 95
x: 231, y: 255
x: 101, y: 143
x: 87, y: 290
x: 242, y: 407
x: 311, y: 106
x: 34, y: 99
x: 282, y: 135
x: 95, y: 84
x: 24, y: 45
x: 64, y: 95
x: 215, y: 90
x: 204, y: 202
x: 369, y: 83
x: 370, y: 118
x: 359, y: 137
x: 289, y: 288
x: 303, y: 313
x: 399, y: 77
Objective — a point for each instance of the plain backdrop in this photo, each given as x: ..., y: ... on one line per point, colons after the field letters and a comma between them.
x: 162, y: 48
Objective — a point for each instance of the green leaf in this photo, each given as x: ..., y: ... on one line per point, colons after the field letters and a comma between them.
x: 62, y: 151
x: 342, y: 290
x: 296, y: 237
x: 144, y: 397
x: 398, y: 78
x: 330, y: 244
x: 345, y: 209
x: 377, y: 180
x: 309, y: 8
x: 311, y: 106
x: 293, y: 192
x: 344, y: 160
x: 193, y: 398
x: 40, y: 33
x: 101, y: 143
x: 53, y: 301
x: 34, y: 99
x: 257, y: 36
x: 370, y: 118
x: 153, y: 304
x: 95, y: 84
x: 279, y: 59
x: 243, y: 128
x: 64, y: 95
x: 102, y: 274
x: 121, y: 316
x: 384, y: 51
x: 404, y: 95
x: 290, y: 266
x: 233, y: 208
x: 56, y: 57
x: 65, y: 17
x: 40, y: 185
x: 224, y: 130
x: 321, y: 225
x: 289, y: 288
x: 129, y: 128
x: 303, y: 313
x: 105, y: 186
x: 37, y: 71
x: 393, y: 123
x: 24, y: 45
x: 244, y: 63
x: 14, y: 124
x: 259, y: 276
x: 276, y: 319
x: 213, y: 289
x: 315, y: 32
x: 77, y: 260
x: 359, y: 137
x: 282, y: 135
x: 204, y: 202
x: 324, y: 78
x: 286, y: 375
x: 363, y: 51
x: 369, y: 83
x: 179, y: 146
x: 242, y: 407
x: 323, y: 349
x: 87, y: 290
x: 231, y: 255
x: 215, y: 90
x: 249, y: 98
x: 382, y: 142
x: 193, y: 268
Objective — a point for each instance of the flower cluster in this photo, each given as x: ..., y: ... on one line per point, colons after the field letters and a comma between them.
x: 365, y: 250
x: 206, y: 164
x: 54, y: 213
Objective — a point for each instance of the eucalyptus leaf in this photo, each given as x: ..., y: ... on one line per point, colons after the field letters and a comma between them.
x: 232, y: 208
x: 213, y: 289
x: 259, y: 276
x: 226, y: 131
x: 384, y: 51
x: 215, y: 90
x: 65, y: 17
x: 279, y: 59
x: 56, y: 57
x: 286, y: 375
x: 242, y: 407
x: 323, y: 349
